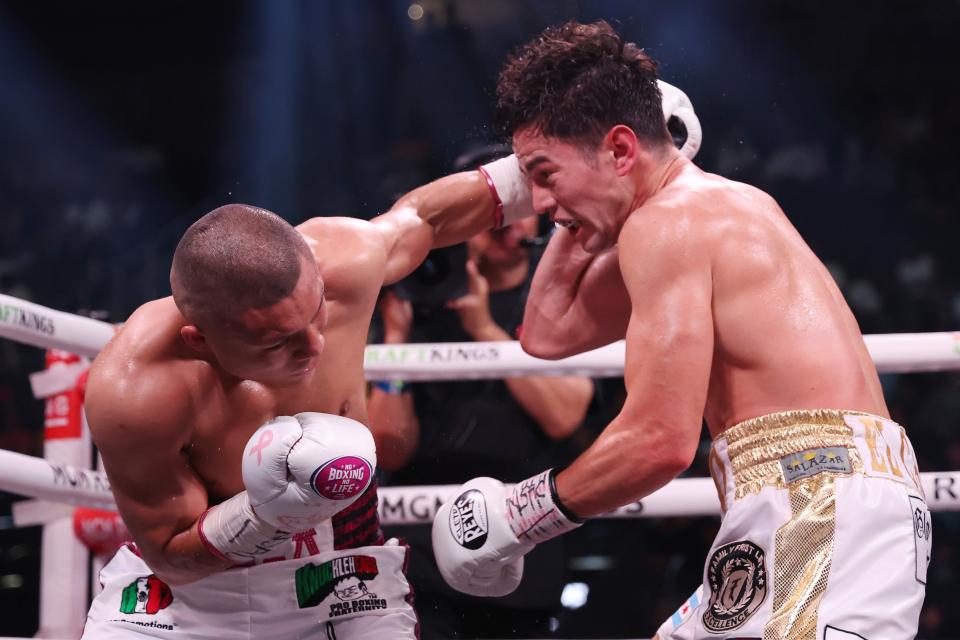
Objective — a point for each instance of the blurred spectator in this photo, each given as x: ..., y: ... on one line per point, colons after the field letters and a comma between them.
x: 448, y: 432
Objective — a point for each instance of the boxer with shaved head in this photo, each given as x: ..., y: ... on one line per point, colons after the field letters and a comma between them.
x: 231, y: 420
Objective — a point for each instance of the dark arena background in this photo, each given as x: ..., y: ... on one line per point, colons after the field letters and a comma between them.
x: 122, y: 122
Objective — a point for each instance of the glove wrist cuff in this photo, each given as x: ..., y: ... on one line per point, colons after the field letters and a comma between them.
x: 570, y: 515
x: 534, y: 510
x: 232, y: 531
x: 511, y: 193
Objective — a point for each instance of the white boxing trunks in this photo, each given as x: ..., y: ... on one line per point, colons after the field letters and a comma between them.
x: 348, y: 594
x: 825, y: 533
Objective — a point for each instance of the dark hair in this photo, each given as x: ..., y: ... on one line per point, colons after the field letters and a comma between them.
x: 576, y: 81
x: 234, y: 258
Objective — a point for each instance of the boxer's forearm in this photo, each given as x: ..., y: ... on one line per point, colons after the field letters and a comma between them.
x: 446, y: 211
x: 577, y: 301
x: 552, y: 299
x: 622, y: 465
x: 184, y: 559
x: 455, y: 207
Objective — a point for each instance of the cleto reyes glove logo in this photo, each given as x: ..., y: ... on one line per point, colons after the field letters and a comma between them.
x: 468, y: 519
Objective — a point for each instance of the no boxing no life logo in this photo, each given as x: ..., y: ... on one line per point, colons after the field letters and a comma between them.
x: 738, y: 585
x: 342, y: 477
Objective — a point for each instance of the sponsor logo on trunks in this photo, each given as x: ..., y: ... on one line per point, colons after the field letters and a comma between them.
x: 151, y: 624
x: 809, y: 463
x: 921, y: 523
x: 14, y: 315
x: 344, y: 578
x: 923, y: 531
x: 354, y: 598
x: 342, y: 477
x: 468, y: 519
x: 737, y: 576
x: 148, y: 595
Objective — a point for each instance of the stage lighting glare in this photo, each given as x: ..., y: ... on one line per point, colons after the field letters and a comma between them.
x: 574, y: 595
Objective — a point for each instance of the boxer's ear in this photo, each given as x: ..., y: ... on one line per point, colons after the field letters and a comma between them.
x: 622, y: 143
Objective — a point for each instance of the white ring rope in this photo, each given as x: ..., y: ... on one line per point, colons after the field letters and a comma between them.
x: 43, y: 327
x: 46, y: 328
x: 48, y: 480
x: 39, y: 478
x: 891, y: 352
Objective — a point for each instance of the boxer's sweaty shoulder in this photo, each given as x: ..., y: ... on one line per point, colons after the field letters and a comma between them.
x: 143, y: 370
x: 350, y: 255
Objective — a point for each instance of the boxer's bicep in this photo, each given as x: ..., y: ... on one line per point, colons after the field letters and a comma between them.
x: 158, y: 493
x: 159, y: 511
x: 669, y: 343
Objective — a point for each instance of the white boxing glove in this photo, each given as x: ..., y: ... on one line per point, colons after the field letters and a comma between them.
x: 475, y: 549
x: 677, y: 105
x: 512, y: 198
x: 298, y: 471
x: 481, y: 536
x: 302, y: 470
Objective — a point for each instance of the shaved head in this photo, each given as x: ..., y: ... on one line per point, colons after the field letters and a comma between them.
x: 235, y: 258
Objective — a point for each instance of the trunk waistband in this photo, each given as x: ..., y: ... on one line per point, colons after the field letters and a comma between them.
x: 780, y: 448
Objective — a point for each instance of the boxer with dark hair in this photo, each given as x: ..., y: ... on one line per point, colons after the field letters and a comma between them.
x: 729, y: 317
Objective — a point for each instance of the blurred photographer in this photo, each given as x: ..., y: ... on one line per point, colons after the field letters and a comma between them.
x: 447, y: 432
